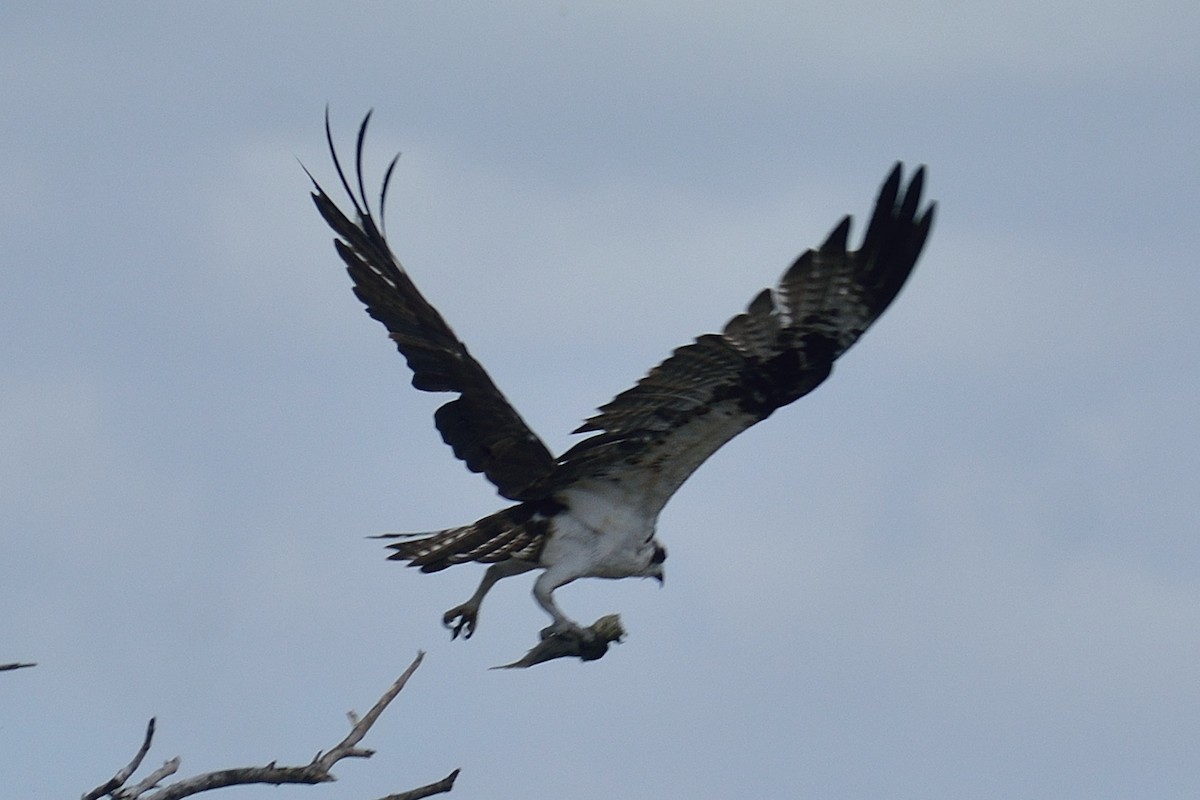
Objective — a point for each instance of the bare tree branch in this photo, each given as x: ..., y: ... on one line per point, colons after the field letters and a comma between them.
x: 153, y: 779
x: 316, y: 771
x: 118, y: 780
x: 444, y: 785
x: 17, y: 665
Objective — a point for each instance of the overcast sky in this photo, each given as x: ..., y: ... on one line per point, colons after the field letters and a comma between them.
x: 966, y: 567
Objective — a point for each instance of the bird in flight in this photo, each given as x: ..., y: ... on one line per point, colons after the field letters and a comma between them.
x: 591, y: 512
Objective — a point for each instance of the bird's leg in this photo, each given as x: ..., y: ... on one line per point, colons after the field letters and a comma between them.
x: 543, y: 592
x: 466, y: 615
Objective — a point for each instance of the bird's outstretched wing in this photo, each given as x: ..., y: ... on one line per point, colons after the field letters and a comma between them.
x: 480, y: 425
x: 651, y: 437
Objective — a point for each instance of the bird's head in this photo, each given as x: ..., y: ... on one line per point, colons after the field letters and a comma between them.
x: 654, y: 569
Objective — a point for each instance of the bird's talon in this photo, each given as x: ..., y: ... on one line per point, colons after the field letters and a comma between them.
x: 458, y: 619
x: 568, y: 630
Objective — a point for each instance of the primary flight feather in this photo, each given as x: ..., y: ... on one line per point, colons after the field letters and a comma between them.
x: 592, y: 511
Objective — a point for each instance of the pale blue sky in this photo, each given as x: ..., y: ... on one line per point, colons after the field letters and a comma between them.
x: 966, y: 567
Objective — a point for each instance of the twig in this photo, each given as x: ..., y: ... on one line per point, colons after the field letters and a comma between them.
x: 118, y: 780
x: 444, y: 785
x: 17, y: 665
x: 152, y: 780
x: 316, y: 771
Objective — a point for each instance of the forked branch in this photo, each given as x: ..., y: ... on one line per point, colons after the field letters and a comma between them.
x: 316, y: 771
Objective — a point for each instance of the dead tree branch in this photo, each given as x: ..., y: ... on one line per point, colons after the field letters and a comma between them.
x: 444, y: 785
x: 316, y: 771
x: 118, y: 780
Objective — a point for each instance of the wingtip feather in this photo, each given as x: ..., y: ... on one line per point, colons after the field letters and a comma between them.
x: 836, y: 241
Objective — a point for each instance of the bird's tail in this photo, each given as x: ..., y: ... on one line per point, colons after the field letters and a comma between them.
x: 515, y: 532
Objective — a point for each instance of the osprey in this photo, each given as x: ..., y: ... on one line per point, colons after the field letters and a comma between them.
x: 591, y: 511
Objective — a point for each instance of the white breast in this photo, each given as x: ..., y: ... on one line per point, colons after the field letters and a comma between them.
x: 600, y: 535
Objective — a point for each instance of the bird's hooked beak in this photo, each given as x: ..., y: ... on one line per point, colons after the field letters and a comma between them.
x: 660, y: 555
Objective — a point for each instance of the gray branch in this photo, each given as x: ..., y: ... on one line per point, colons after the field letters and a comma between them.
x: 316, y: 771
x: 444, y: 785
x: 117, y: 781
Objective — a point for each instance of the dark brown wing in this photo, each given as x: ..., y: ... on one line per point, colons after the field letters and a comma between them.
x: 652, y: 437
x: 480, y: 425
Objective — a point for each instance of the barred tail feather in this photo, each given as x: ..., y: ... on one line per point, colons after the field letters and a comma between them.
x: 516, y: 532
